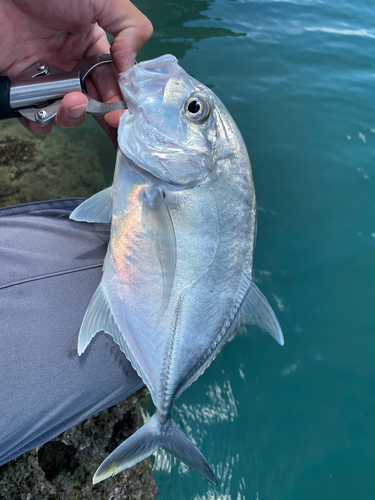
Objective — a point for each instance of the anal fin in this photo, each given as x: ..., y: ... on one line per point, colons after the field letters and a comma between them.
x: 99, y: 317
x: 255, y: 310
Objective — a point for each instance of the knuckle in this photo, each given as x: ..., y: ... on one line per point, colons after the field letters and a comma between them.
x: 148, y: 29
x: 145, y: 28
x: 39, y: 130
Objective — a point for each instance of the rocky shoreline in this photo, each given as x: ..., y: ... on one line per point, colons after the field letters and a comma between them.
x: 36, y: 168
x: 63, y: 468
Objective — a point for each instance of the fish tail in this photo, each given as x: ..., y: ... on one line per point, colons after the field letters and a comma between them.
x: 180, y: 446
x: 148, y: 439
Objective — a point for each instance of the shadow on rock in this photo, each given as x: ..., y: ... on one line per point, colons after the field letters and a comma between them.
x: 63, y: 468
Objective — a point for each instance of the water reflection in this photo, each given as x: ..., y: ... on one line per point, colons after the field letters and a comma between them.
x: 176, y: 26
x: 226, y: 490
x: 366, y: 33
x: 199, y: 420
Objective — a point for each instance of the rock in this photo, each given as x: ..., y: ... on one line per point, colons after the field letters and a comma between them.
x: 63, y: 468
x: 34, y: 168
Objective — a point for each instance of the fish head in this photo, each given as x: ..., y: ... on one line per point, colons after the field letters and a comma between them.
x: 170, y: 128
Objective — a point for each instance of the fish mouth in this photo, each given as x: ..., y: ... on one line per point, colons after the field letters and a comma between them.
x: 147, y: 79
x: 152, y: 131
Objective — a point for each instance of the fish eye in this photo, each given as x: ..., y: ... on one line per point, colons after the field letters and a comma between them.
x: 197, y: 109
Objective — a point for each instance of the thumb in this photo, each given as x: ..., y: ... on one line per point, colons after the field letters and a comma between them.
x: 130, y: 28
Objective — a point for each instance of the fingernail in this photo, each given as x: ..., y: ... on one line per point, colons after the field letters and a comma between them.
x: 129, y: 62
x: 77, y: 111
x: 132, y: 58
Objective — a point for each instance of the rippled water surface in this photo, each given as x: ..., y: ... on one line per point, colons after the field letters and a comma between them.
x: 293, y: 423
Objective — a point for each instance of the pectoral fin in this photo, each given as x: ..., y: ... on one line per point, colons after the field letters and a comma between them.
x: 158, y: 221
x: 98, y: 208
x: 255, y: 310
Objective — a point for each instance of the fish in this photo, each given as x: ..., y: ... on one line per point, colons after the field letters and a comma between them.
x: 177, y: 278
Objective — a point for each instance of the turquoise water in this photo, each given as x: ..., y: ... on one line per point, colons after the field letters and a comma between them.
x: 294, y: 422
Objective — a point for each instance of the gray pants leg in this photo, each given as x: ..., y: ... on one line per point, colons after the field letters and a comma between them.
x: 50, y: 267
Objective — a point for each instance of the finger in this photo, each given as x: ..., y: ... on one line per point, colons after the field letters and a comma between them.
x: 108, y: 129
x: 34, y: 128
x: 100, y: 44
x: 72, y: 110
x: 113, y: 118
x: 105, y: 79
x: 102, y: 84
x: 130, y: 28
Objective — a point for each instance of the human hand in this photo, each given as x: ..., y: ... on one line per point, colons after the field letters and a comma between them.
x: 65, y: 32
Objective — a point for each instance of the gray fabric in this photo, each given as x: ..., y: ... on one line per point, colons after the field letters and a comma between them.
x: 49, y: 269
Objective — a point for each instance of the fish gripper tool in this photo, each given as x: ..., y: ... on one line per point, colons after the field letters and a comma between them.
x: 37, y: 92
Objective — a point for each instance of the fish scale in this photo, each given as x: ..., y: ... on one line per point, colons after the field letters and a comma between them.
x: 177, y: 280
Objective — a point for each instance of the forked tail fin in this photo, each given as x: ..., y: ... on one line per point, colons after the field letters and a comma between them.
x: 148, y: 439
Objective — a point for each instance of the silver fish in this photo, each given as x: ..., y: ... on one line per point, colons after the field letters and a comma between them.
x: 177, y: 278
